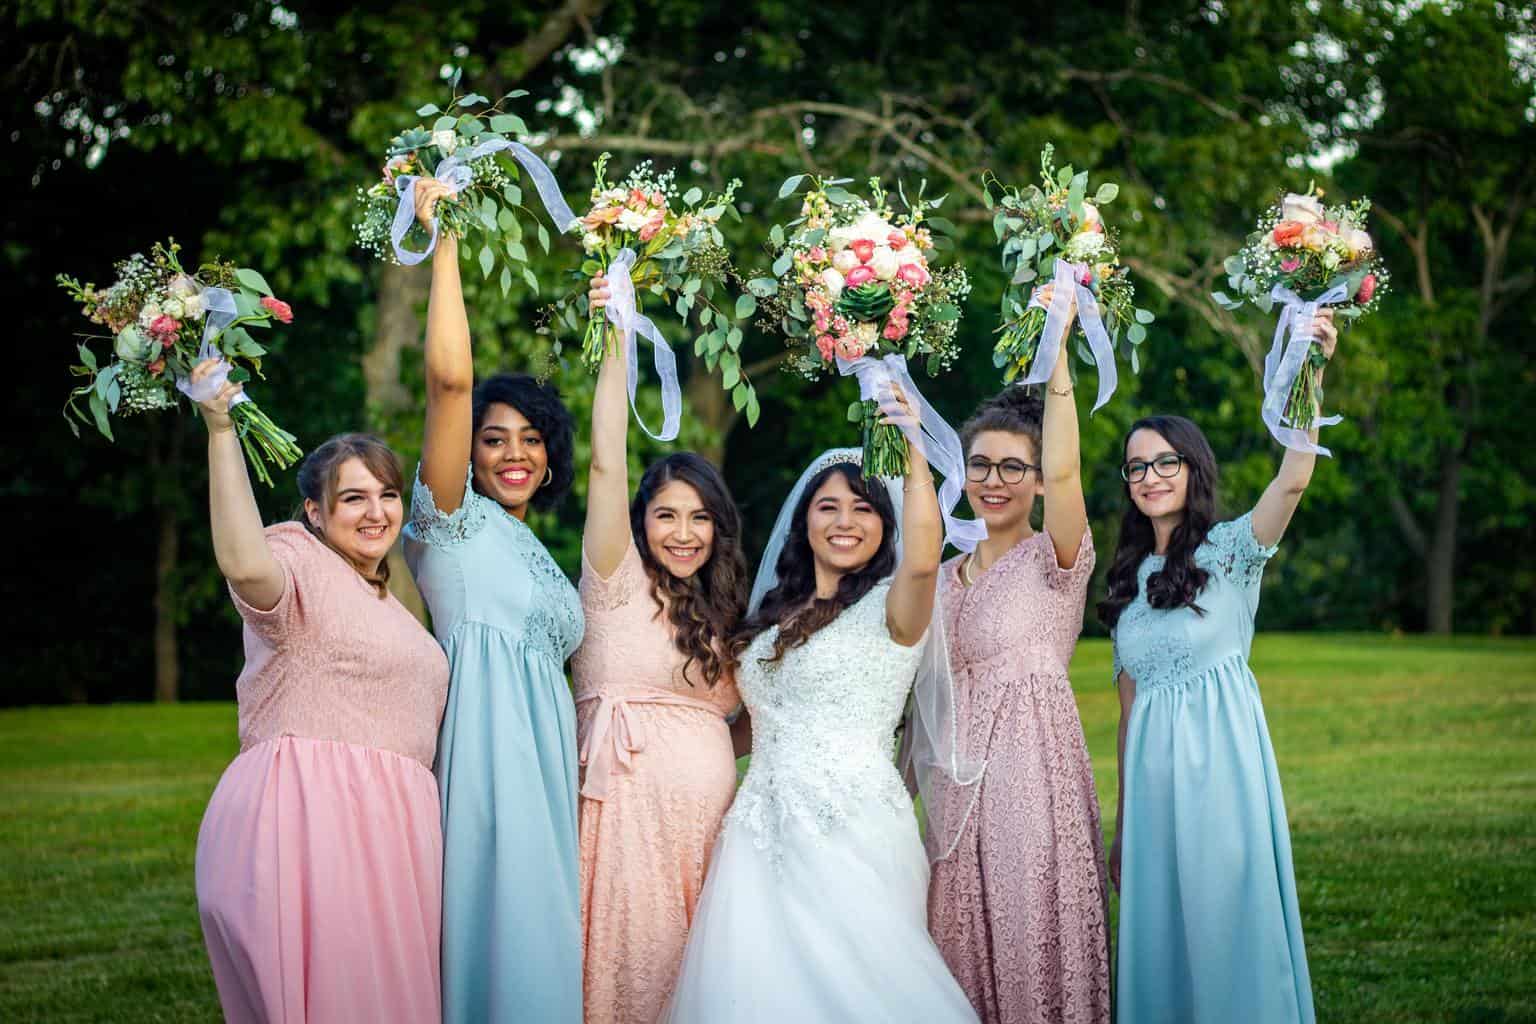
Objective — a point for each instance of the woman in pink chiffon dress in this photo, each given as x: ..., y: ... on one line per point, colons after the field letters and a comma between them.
x: 319, y: 860
x: 1017, y: 902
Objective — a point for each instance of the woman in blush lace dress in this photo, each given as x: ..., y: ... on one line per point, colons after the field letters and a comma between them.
x: 1018, y: 904
x: 813, y: 909
x: 660, y: 584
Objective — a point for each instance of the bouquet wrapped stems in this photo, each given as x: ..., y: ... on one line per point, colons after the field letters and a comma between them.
x: 601, y: 338
x: 1015, y: 350
x: 1304, y: 400
x: 264, y: 441
x: 885, y: 446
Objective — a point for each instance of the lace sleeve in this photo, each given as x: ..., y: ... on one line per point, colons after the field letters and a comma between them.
x: 444, y: 530
x: 1117, y: 666
x: 619, y: 588
x: 1075, y: 579
x: 1235, y: 551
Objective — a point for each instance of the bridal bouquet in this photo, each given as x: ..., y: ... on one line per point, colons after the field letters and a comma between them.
x: 464, y: 147
x: 164, y: 321
x: 1052, y: 232
x: 1304, y: 255
x: 853, y: 283
x: 649, y: 241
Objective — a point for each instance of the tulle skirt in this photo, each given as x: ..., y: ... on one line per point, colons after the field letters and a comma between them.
x: 817, y: 927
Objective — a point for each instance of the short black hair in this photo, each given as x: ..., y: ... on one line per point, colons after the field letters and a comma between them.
x: 540, y: 404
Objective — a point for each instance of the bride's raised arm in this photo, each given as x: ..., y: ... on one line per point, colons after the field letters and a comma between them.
x: 909, y: 606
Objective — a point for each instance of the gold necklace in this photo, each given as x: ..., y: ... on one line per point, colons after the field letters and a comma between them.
x: 966, y: 575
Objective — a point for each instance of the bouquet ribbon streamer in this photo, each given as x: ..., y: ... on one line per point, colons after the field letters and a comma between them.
x: 1058, y: 320
x: 220, y: 311
x: 456, y: 173
x: 1285, y: 360
x: 933, y: 437
x: 625, y: 315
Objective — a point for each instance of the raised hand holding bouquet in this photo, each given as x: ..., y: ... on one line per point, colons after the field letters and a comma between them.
x: 1305, y: 256
x: 646, y: 240
x: 1051, y: 232
x: 165, y: 321
x: 853, y: 287
x: 465, y: 150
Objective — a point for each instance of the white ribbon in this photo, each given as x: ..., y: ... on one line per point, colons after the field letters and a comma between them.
x: 624, y: 314
x: 932, y: 436
x: 1058, y: 320
x: 220, y: 311
x: 1285, y: 361
x: 456, y: 173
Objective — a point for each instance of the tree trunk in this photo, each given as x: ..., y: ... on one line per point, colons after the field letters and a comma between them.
x: 712, y: 407
x: 165, y: 453
x: 1440, y: 565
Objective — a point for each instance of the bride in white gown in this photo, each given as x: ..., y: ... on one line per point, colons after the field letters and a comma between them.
x: 815, y: 905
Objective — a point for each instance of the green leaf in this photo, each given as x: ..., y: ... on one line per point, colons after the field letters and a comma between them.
x: 941, y: 224
x: 1144, y: 316
x: 533, y: 282
x: 428, y: 110
x: 856, y: 412
x: 1136, y: 334
x: 99, y: 414
x: 815, y: 237
x: 839, y: 196
x: 445, y: 123
x: 1135, y: 360
x: 1106, y: 193
x: 782, y: 264
x: 508, y: 123
x: 516, y: 251
x: 746, y: 305
x: 513, y: 194
x: 487, y: 260
x: 692, y: 196
x: 733, y: 338
x: 790, y: 184
x: 1024, y: 274
x: 88, y: 358
x: 692, y: 286
x: 543, y: 238
x: 945, y: 311
x: 753, y: 410
x: 250, y: 279
x: 739, y: 396
x: 239, y: 375
x: 776, y: 236
x: 763, y: 287
x: 504, y: 218
x: 506, y: 281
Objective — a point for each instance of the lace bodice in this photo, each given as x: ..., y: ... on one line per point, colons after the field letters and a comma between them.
x: 1171, y: 647
x: 823, y: 722
x: 480, y: 565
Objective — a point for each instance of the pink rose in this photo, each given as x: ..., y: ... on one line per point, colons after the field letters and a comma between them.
x: 895, y: 329
x: 165, y: 328
x: 1367, y: 288
x: 639, y: 198
x: 826, y: 345
x: 914, y: 274
x: 860, y: 275
x: 863, y: 248
x: 657, y: 199
x: 1331, y: 226
x: 1287, y: 234
x: 652, y: 226
x: 1290, y: 264
x: 850, y: 347
x: 1086, y: 277
x: 816, y: 254
x: 279, y: 309
x: 897, y: 240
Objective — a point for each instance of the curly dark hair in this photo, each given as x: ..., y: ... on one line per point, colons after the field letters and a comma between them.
x: 709, y: 604
x: 785, y: 605
x: 317, y: 478
x: 540, y: 404
x: 1016, y: 409
x: 1179, y: 582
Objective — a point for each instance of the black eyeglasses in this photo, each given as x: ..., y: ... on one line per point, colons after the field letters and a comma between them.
x: 1009, y: 471
x: 1164, y: 466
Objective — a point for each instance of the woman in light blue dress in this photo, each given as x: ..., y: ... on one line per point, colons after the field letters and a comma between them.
x: 508, y: 619
x: 1210, y: 930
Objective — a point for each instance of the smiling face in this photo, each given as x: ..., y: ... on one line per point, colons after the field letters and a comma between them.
x: 1004, y: 507
x: 679, y: 529
x: 364, y: 518
x: 842, y: 526
x: 509, y: 458
x: 1157, y: 497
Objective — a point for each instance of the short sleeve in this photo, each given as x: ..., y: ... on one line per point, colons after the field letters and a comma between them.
x: 618, y: 588
x: 302, y: 559
x: 1236, y: 552
x: 436, y: 528
x: 1075, y: 579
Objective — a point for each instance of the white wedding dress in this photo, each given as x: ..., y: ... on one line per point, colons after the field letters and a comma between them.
x: 815, y: 908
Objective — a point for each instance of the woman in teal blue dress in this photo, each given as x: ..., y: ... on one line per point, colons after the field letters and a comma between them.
x: 1210, y: 930
x: 508, y: 619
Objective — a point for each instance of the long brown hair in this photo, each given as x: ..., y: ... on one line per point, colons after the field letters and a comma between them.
x: 321, y: 469
x: 708, y: 604
x: 796, y: 570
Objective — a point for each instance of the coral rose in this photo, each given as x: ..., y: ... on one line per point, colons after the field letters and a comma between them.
x: 1287, y: 234
x: 279, y: 309
x: 863, y: 248
x: 1367, y: 288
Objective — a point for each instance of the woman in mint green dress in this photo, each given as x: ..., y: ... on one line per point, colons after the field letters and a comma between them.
x: 1210, y: 930
x: 508, y: 619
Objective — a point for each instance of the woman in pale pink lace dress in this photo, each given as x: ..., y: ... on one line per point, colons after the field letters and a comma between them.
x: 320, y: 857
x: 1018, y: 908
x: 660, y: 585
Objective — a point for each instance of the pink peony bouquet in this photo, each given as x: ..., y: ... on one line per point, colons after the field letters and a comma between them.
x: 852, y: 279
x: 164, y: 321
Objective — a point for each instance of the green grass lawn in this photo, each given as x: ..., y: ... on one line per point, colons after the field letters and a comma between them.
x: 1409, y: 769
